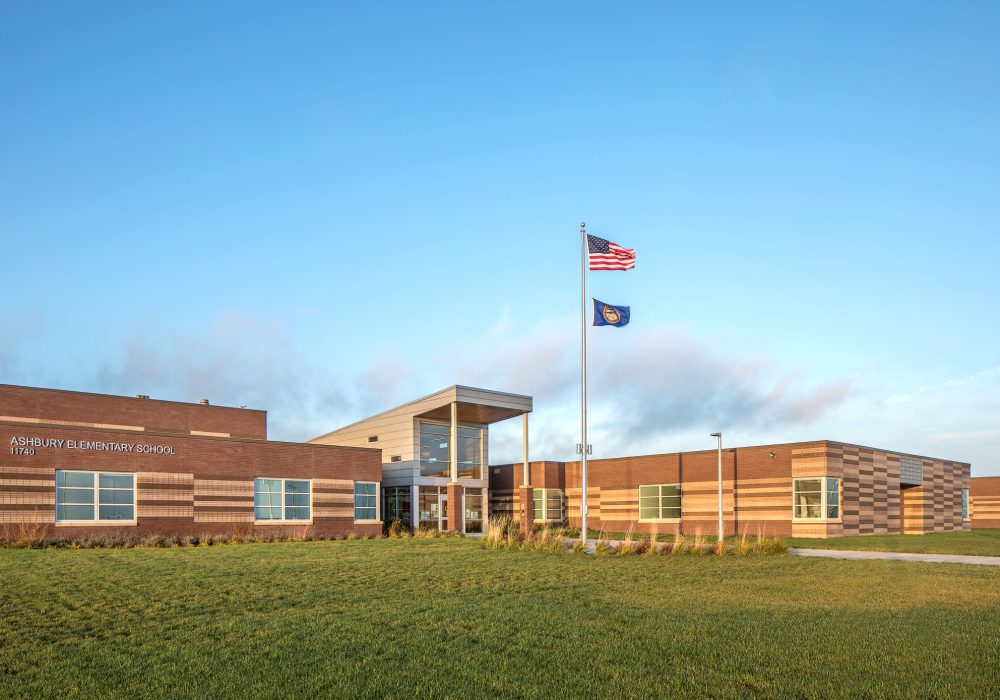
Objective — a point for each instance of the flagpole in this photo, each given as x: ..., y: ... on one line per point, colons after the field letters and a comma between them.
x: 583, y: 384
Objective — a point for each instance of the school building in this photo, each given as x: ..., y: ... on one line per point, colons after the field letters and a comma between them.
x: 435, y: 474
x: 78, y: 463
x: 435, y: 454
x: 807, y: 489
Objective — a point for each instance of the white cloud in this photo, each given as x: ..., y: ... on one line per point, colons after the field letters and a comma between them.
x: 238, y: 360
x: 649, y: 390
x: 952, y: 419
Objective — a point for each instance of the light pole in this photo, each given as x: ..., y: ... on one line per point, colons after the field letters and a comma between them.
x: 722, y: 531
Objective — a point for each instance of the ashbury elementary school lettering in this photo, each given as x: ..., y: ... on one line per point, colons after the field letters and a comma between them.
x: 22, y: 445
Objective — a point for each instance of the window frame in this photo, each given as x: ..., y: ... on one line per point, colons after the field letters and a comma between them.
x: 378, y: 502
x: 396, y: 496
x: 966, y: 506
x: 545, y: 505
x: 824, y: 481
x: 97, y: 499
x: 659, y: 498
x: 420, y: 447
x: 283, y: 520
x: 482, y: 438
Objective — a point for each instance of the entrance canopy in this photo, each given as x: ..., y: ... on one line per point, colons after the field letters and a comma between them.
x: 473, y: 405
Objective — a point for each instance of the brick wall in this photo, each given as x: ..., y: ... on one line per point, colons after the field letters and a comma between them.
x: 984, y: 501
x: 205, y: 486
x: 871, y: 498
x: 33, y: 405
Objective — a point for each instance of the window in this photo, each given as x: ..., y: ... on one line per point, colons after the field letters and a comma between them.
x: 396, y: 504
x: 94, y: 496
x: 816, y: 498
x: 473, y: 510
x: 396, y: 458
x: 282, y: 499
x: 431, y: 505
x: 365, y: 500
x: 548, y: 504
x: 373, y: 438
x: 660, y: 502
x: 435, y: 453
x: 470, y: 453
x: 434, y: 456
x: 832, y: 498
x: 965, y: 504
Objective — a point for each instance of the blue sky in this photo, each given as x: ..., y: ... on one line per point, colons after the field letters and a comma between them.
x: 325, y: 209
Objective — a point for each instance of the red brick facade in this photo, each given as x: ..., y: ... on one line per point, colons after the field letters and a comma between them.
x: 185, y: 483
x: 757, y: 490
x: 984, y: 500
x: 53, y: 406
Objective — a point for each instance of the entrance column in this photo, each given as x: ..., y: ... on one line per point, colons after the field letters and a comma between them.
x: 453, y: 443
x: 456, y: 519
x: 524, y: 444
x: 415, y: 506
x: 525, y: 493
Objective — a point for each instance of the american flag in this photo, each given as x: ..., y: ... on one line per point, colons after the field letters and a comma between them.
x: 605, y: 255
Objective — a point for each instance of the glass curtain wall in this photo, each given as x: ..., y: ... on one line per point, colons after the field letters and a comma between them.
x: 435, y: 455
x: 470, y: 453
x: 435, y: 459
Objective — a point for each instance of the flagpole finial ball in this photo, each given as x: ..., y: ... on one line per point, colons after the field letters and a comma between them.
x: 583, y: 224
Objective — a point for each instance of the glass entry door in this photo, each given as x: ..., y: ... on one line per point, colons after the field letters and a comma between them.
x: 434, y: 507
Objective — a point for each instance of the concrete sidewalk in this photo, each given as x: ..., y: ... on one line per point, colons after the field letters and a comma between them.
x: 896, y: 556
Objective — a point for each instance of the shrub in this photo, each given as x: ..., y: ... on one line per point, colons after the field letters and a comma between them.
x: 743, y: 546
x: 680, y: 544
x: 23, y: 535
x: 770, y: 545
x: 605, y: 548
x: 397, y: 529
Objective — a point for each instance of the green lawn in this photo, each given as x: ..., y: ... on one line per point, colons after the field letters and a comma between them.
x: 979, y: 541
x: 447, y: 618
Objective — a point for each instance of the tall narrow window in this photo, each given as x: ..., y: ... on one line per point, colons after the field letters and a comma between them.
x: 816, y: 498
x: 473, y: 510
x: 94, y: 496
x: 470, y: 453
x: 965, y: 504
x: 396, y: 504
x: 832, y: 498
x: 435, y: 456
x: 429, y: 506
x: 365, y: 500
x: 660, y: 502
x: 280, y: 500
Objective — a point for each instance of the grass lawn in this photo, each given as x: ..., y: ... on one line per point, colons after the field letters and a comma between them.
x: 437, y: 618
x: 980, y: 541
